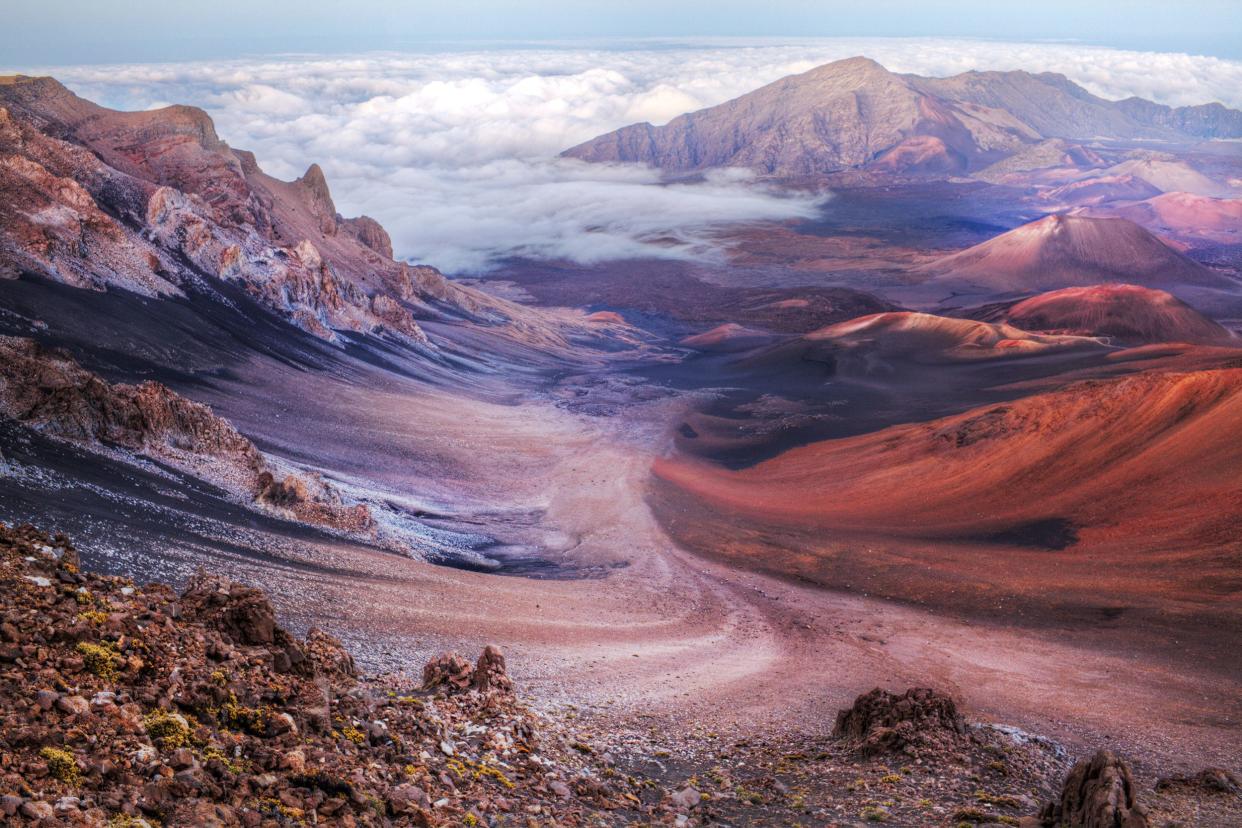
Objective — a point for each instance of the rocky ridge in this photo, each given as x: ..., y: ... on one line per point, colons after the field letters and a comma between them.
x: 48, y: 391
x: 155, y: 202
x: 135, y: 705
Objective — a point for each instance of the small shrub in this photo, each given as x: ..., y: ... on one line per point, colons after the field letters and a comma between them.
x: 61, y: 764
x: 236, y: 715
x: 230, y: 764
x: 99, y: 659
x: 1000, y: 800
x: 169, y: 730
x: 973, y: 816
x: 127, y: 821
x: 494, y: 773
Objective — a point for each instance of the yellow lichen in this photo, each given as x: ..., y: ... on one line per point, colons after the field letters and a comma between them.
x: 1002, y: 800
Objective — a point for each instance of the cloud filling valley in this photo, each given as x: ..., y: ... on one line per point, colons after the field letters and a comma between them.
x: 456, y: 152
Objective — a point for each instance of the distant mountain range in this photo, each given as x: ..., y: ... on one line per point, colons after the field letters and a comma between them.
x: 856, y: 114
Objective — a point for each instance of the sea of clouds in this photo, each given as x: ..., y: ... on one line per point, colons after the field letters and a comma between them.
x: 455, y: 152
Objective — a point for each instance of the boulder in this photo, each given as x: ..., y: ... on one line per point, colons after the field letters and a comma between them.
x: 1098, y: 793
x: 448, y: 671
x: 881, y: 722
x: 329, y: 655
x: 1208, y: 780
x: 244, y: 614
x: 490, y: 674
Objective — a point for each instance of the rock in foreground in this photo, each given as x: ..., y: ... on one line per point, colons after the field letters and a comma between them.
x: 129, y: 705
x: 883, y: 722
x: 1099, y: 793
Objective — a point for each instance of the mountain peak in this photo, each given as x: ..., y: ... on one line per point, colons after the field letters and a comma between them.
x: 855, y: 113
x: 1059, y: 251
x: 316, y: 185
x: 857, y: 64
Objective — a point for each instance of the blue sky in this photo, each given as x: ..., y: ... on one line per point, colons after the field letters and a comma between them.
x: 45, y: 32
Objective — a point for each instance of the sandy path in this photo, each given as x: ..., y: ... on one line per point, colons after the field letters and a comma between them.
x: 673, y: 641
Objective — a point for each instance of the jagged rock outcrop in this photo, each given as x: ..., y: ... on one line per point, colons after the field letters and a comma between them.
x: 243, y: 614
x: 48, y: 391
x: 917, y: 720
x: 490, y: 674
x: 451, y: 673
x: 154, y: 201
x: 1098, y: 793
x: 311, y: 499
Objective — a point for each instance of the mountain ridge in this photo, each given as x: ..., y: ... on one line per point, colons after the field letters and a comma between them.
x: 155, y: 201
x: 849, y: 113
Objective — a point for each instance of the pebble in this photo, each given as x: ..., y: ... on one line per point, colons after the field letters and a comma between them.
x: 73, y: 705
x: 36, y: 810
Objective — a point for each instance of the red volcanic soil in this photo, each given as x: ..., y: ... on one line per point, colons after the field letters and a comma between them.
x: 926, y: 337
x: 1187, y: 217
x: 732, y: 337
x: 1135, y: 479
x: 606, y: 318
x: 1170, y: 176
x: 881, y: 343
x: 1063, y: 251
x: 1126, y: 313
x: 921, y: 154
x: 1101, y: 189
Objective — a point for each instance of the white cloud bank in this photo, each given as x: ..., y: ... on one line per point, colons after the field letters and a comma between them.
x: 455, y: 152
